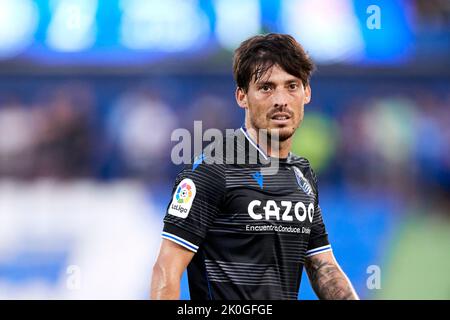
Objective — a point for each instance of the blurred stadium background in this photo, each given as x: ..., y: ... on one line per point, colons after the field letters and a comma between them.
x: 90, y: 92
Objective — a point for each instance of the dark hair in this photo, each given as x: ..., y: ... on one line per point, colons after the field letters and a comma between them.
x: 256, y: 55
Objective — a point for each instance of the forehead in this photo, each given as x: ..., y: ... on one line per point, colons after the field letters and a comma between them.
x: 275, y: 74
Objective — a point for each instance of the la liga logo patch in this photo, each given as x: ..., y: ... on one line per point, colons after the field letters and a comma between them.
x: 182, y: 199
x: 184, y: 193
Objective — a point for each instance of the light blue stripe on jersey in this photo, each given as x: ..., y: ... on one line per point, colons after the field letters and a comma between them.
x: 247, y: 135
x: 318, y: 250
x: 180, y: 241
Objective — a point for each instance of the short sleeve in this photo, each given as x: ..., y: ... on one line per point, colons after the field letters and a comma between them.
x: 318, y: 240
x: 196, y: 200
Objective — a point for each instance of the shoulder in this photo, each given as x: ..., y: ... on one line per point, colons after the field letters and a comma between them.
x: 299, y: 160
x: 206, y: 167
x: 305, y: 166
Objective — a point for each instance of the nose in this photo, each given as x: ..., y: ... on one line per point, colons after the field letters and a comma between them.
x: 280, y: 99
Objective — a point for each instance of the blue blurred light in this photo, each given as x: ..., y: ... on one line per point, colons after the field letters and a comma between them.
x: 18, y: 23
x: 393, y: 42
x: 170, y: 26
x: 236, y: 20
x: 328, y: 29
x: 72, y: 27
x: 136, y: 31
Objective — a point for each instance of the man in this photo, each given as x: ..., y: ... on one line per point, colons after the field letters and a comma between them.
x: 243, y: 233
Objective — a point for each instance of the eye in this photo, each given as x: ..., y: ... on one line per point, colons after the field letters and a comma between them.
x: 293, y: 86
x: 265, y: 88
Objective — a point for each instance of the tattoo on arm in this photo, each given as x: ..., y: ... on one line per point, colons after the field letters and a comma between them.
x: 328, y: 280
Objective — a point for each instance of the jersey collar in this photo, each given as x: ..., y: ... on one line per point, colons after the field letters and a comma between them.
x: 253, y: 143
x: 244, y: 131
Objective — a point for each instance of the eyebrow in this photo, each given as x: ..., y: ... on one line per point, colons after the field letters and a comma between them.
x: 262, y: 83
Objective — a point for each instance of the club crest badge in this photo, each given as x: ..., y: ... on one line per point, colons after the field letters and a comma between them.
x: 302, y: 182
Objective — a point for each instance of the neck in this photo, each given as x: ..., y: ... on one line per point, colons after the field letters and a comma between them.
x: 283, y: 149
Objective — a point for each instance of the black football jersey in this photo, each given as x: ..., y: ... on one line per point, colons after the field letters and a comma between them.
x: 251, y: 226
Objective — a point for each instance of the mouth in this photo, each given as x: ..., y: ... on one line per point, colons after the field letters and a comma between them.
x: 280, y: 118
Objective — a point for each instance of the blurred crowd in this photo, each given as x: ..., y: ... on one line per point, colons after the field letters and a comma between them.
x: 49, y: 136
x: 66, y: 131
x: 395, y: 140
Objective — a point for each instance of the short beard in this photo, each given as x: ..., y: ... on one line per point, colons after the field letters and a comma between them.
x: 281, y: 135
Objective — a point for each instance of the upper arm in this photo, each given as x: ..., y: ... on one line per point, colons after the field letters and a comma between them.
x: 318, y: 241
x: 320, y: 259
x: 327, y: 278
x: 196, y: 201
x: 321, y: 269
x: 173, y: 259
x: 168, y: 269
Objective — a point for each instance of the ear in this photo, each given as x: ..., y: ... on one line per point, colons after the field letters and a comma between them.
x: 307, y: 94
x: 241, y: 98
